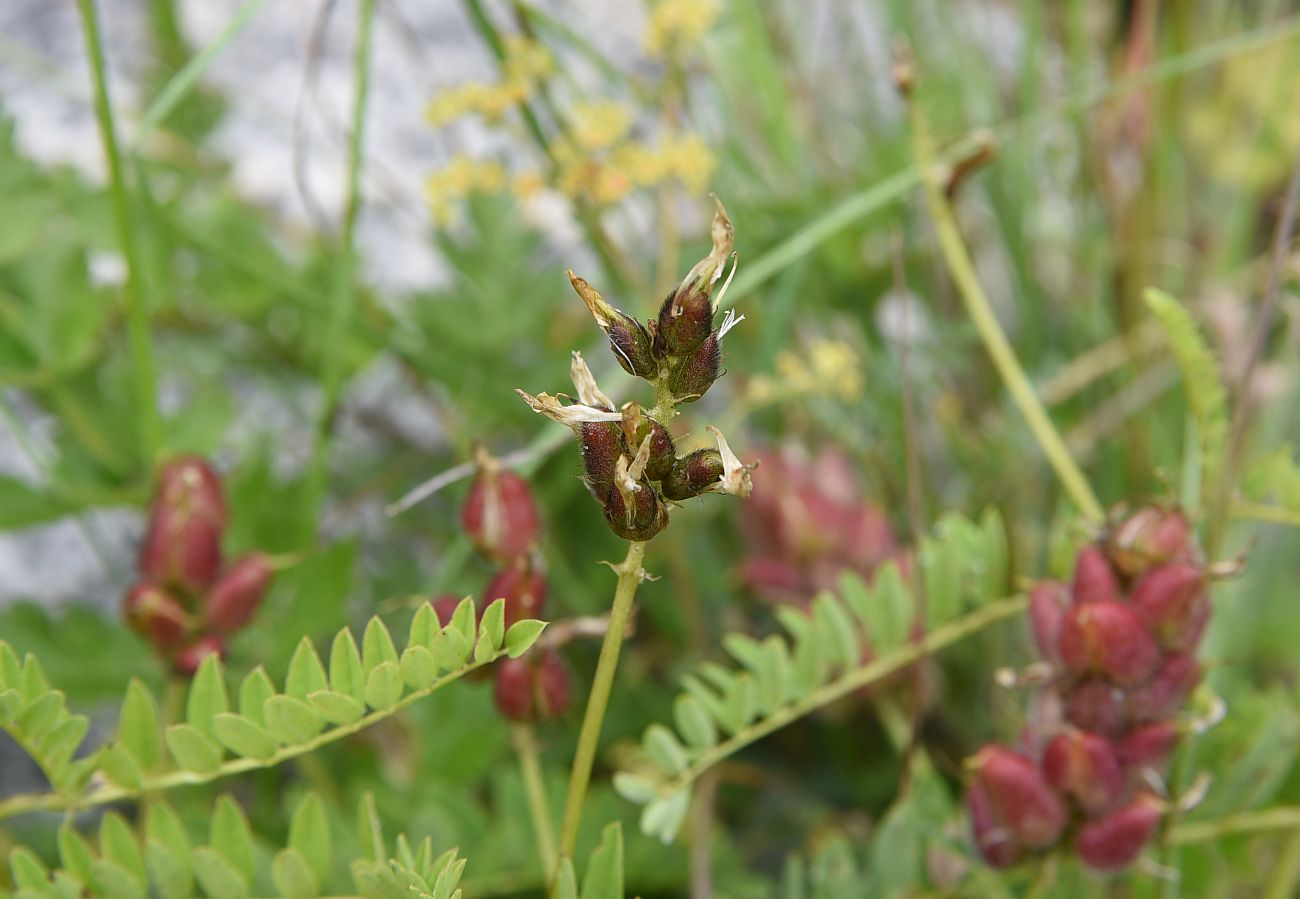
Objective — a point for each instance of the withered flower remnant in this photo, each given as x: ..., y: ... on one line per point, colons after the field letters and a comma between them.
x: 629, y: 457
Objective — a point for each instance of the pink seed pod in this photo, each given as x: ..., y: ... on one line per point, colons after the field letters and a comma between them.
x: 236, y: 595
x: 1153, y: 535
x: 187, y: 661
x: 444, y: 607
x: 499, y: 514
x: 1047, y: 604
x: 1019, y: 799
x: 1113, y: 842
x: 1096, y: 706
x: 1109, y: 639
x: 1086, y: 768
x: 1167, y: 690
x: 522, y: 587
x: 532, y: 688
x: 1094, y: 579
x: 1172, y: 601
x: 154, y: 614
x: 181, y: 549
x: 190, y: 483
x: 993, y: 841
x: 1150, y: 745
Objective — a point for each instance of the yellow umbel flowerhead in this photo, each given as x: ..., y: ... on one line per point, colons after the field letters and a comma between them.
x: 599, y: 125
x: 679, y: 24
x: 526, y: 64
x: 454, y: 182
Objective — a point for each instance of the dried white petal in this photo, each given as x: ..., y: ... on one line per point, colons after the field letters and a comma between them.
x: 729, y: 320
x: 707, y: 271
x: 722, y: 291
x: 600, y: 310
x: 569, y: 416
x: 589, y: 391
x: 637, y: 468
x: 735, y: 477
x: 627, y: 487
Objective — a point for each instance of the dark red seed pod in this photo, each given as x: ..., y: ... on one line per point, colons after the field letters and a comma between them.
x: 694, y: 374
x: 445, y: 606
x: 1167, y: 690
x: 993, y: 841
x: 1173, y: 603
x: 181, y: 549
x: 553, y: 686
x: 632, y: 346
x: 1150, y: 746
x: 522, y: 587
x: 1094, y: 579
x: 1153, y: 535
x: 1096, y: 706
x: 601, y: 443
x: 187, y: 661
x: 154, y: 614
x: 1047, y: 603
x: 648, y: 516
x: 663, y: 453
x: 1018, y: 797
x: 499, y: 514
x: 1086, y: 768
x: 513, y: 692
x: 1109, y: 639
x: 693, y: 474
x: 236, y: 595
x: 192, y: 484
x: 1113, y: 842
x: 685, y: 319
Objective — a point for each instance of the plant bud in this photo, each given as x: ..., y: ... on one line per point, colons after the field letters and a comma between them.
x: 602, y: 443
x: 1094, y: 580
x: 189, y: 482
x: 628, y: 338
x: 1018, y: 797
x: 1173, y: 602
x: 1167, y: 690
x: 235, y: 596
x: 1047, y: 604
x: 685, y: 319
x: 187, y: 661
x: 645, y: 517
x: 663, y: 453
x: 993, y: 841
x: 1152, y: 535
x: 1109, y: 639
x: 695, y: 374
x: 181, y: 549
x: 1150, y: 746
x: 499, y: 514
x: 693, y: 474
x: 155, y: 615
x: 1086, y: 768
x: 532, y: 689
x: 522, y: 587
x: 444, y: 607
x: 1095, y: 706
x: 1113, y: 842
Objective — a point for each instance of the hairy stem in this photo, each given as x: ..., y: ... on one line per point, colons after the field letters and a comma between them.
x: 535, y: 789
x: 137, y: 313
x: 629, y: 577
x: 980, y: 311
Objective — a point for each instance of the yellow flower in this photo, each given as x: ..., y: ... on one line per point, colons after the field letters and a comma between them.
x: 526, y: 63
x: 599, y: 125
x: 454, y: 182
x: 690, y: 160
x: 679, y: 24
x: 829, y: 369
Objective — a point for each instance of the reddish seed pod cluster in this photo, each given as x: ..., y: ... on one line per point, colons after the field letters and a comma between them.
x: 1122, y: 638
x: 501, y: 518
x: 185, y: 603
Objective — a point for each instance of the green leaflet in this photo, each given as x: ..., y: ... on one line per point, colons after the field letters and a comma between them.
x: 1201, y: 380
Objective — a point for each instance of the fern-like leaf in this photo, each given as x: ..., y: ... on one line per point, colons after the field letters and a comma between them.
x: 847, y: 641
x: 268, y: 727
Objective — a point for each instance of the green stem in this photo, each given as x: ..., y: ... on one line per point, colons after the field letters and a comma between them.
x: 344, y: 298
x: 629, y: 577
x: 981, y: 313
x: 1261, y: 821
x: 137, y: 314
x: 535, y: 790
x: 1266, y: 513
x: 1287, y: 873
x: 881, y: 667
